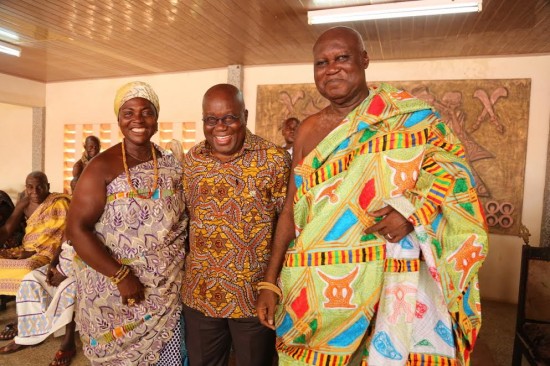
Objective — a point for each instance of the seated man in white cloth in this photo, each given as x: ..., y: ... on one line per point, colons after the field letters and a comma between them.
x: 45, y: 304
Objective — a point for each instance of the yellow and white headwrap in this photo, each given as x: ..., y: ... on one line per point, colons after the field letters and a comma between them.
x: 136, y: 89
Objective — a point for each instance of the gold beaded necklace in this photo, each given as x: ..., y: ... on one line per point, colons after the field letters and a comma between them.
x: 129, y: 178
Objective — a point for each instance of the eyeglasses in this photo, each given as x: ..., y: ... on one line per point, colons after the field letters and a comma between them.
x: 227, y: 120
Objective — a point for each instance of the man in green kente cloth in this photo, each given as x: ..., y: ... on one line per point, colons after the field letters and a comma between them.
x: 377, y: 249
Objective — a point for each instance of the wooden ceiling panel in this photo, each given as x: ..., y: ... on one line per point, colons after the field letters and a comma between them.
x: 83, y: 39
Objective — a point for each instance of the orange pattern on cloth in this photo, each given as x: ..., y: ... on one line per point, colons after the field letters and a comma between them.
x: 233, y: 207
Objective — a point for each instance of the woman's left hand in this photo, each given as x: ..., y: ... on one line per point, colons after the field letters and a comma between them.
x: 131, y: 290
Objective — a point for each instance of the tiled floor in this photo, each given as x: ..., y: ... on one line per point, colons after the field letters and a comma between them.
x: 496, y: 338
x: 494, y: 347
x: 40, y: 355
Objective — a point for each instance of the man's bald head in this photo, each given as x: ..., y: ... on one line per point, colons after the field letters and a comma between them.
x: 339, y: 63
x: 343, y: 33
x: 92, y: 139
x: 38, y: 175
x: 37, y: 187
x: 92, y: 145
x: 227, y: 90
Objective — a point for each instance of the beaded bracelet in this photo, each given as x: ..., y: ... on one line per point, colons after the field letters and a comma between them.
x: 121, y: 274
x: 271, y: 287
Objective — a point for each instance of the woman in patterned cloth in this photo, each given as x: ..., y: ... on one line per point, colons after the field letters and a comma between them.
x: 127, y: 223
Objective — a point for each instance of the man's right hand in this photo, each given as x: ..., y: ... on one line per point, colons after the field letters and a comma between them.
x: 23, y: 202
x: 54, y: 277
x: 265, y: 308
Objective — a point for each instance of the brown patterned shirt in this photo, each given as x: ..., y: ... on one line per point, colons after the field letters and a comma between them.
x: 233, y: 208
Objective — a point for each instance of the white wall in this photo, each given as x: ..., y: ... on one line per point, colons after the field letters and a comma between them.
x: 15, y: 147
x: 14, y: 90
x: 181, y: 94
x: 17, y: 97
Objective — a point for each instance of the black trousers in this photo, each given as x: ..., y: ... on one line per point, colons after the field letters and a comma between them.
x: 209, y: 340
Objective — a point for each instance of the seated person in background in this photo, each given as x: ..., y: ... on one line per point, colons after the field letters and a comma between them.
x: 92, y: 145
x: 45, y: 303
x: 44, y: 214
x: 289, y: 128
x: 6, y: 209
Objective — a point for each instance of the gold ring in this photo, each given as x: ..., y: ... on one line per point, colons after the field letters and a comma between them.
x: 131, y: 302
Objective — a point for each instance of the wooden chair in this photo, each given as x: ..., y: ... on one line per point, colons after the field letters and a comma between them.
x: 532, y: 336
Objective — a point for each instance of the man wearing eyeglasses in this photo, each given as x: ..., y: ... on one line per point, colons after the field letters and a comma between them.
x: 235, y: 186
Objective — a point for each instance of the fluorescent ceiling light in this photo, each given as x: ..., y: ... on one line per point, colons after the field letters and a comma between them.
x: 4, y: 33
x: 393, y: 10
x: 10, y: 49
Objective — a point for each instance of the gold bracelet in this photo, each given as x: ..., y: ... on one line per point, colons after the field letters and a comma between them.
x: 116, y: 280
x: 121, y: 274
x: 271, y: 287
x: 121, y: 270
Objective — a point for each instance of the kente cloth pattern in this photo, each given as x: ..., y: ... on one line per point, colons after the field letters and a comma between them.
x: 355, y: 299
x: 147, y: 235
x: 135, y: 89
x: 233, y: 207
x: 43, y: 309
x: 43, y: 234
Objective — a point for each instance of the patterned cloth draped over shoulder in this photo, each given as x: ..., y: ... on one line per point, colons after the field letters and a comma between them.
x: 147, y: 235
x: 43, y: 234
x: 356, y: 299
